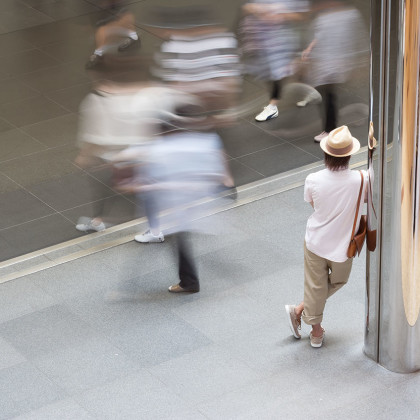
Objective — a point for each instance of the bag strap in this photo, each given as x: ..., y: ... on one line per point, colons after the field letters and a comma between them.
x: 357, y: 207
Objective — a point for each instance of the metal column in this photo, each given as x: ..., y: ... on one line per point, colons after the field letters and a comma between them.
x: 392, y: 334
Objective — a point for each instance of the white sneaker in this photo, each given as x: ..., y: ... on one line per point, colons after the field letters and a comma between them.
x: 148, y: 237
x: 85, y: 224
x: 312, y: 97
x: 269, y: 112
x: 320, y: 136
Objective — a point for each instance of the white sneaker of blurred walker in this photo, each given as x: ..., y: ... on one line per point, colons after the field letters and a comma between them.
x: 85, y: 224
x: 312, y: 97
x: 148, y: 237
x: 269, y: 112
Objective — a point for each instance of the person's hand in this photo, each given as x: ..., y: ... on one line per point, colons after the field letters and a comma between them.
x: 305, y: 54
x: 307, y: 51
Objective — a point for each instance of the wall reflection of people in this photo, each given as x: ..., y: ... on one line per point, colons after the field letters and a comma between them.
x: 270, y: 41
x: 339, y: 46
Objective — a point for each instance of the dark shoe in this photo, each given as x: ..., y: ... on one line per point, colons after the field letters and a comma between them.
x: 176, y: 288
x: 128, y: 43
x: 94, y: 60
x: 228, y: 192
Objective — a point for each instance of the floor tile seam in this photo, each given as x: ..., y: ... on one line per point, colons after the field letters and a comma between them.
x: 47, y: 147
x: 46, y: 92
x: 291, y: 143
x: 88, y: 83
x: 10, y: 56
x: 303, y: 150
x: 90, y: 175
x: 198, y: 352
x: 17, y: 79
x: 272, y: 132
x: 257, y: 151
x: 21, y: 129
x: 27, y: 154
x: 28, y: 6
x: 32, y: 47
x: 248, y: 167
x: 261, y: 150
x: 53, y: 20
x: 55, y: 42
x: 260, y: 126
x: 29, y: 192
x: 87, y: 203
x: 27, y: 221
x: 258, y: 382
x: 68, y: 111
x: 103, y: 334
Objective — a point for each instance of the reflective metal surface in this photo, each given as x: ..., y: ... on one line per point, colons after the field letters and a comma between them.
x: 392, y: 335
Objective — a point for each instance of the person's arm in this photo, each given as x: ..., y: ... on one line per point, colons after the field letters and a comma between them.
x: 307, y: 191
x: 307, y: 51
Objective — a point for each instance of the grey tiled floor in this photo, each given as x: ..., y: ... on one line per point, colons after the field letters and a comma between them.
x: 101, y: 337
x: 43, y: 48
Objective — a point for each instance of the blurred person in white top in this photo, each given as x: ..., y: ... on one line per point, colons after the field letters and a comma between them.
x: 270, y: 41
x: 333, y: 193
x: 339, y: 49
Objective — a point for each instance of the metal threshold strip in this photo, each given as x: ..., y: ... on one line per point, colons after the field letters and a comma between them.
x: 120, y: 234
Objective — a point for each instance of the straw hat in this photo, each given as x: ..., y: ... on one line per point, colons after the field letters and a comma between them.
x: 340, y: 142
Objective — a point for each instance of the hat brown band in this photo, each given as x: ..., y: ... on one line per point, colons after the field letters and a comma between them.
x: 341, y: 151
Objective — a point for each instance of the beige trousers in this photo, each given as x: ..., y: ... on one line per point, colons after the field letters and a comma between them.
x: 322, y: 279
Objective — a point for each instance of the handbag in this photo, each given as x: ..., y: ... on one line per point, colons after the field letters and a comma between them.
x: 357, y: 240
x: 370, y: 233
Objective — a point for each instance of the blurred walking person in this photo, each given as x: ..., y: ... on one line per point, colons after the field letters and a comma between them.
x: 339, y: 48
x: 270, y: 41
x: 116, y: 33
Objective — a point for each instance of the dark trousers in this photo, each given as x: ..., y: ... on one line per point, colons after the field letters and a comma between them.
x: 329, y: 106
x: 276, y: 89
x: 186, y: 267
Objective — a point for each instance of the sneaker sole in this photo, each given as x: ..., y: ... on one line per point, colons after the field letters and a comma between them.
x: 153, y: 241
x: 268, y: 118
x: 316, y: 345
x: 286, y: 307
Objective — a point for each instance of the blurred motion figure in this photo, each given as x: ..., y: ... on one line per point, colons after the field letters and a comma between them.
x: 339, y: 47
x: 270, y: 41
x: 116, y: 32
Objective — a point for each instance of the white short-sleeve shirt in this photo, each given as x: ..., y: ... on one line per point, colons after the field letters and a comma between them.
x: 334, y: 195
